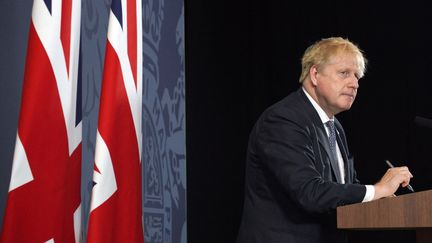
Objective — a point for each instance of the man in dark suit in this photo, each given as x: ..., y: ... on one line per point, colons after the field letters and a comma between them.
x: 298, y: 167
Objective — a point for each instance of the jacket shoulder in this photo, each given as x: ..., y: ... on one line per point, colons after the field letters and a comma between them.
x: 293, y: 108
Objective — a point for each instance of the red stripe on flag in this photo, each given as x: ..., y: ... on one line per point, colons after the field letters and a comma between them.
x: 119, y: 218
x: 43, y: 208
x: 132, y: 37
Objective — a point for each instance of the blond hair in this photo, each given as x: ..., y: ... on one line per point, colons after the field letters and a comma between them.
x: 321, y: 51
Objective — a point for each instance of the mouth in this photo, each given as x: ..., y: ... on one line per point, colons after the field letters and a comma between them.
x: 351, y: 96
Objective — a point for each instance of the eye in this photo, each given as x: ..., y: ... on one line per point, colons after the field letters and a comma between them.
x: 344, y: 73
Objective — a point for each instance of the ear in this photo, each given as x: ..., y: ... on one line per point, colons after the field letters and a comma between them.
x: 313, y: 73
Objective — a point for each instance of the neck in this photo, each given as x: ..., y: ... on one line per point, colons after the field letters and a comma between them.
x: 311, y: 90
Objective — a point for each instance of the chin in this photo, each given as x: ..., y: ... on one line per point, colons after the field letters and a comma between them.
x: 345, y: 107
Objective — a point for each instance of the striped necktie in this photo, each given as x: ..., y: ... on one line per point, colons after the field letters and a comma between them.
x: 332, y: 137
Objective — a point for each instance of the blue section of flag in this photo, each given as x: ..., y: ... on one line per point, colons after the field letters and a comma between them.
x: 116, y: 8
x: 78, y: 111
x: 48, y: 5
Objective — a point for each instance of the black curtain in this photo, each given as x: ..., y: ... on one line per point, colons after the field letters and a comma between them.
x: 242, y: 56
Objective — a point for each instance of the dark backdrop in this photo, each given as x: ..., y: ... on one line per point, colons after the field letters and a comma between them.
x: 244, y: 55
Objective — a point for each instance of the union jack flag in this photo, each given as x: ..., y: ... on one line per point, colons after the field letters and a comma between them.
x: 115, y: 207
x: 44, y: 202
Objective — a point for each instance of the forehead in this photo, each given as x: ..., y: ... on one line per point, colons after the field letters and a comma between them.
x: 345, y: 60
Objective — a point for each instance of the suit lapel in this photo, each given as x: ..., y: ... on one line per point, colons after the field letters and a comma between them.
x: 323, y: 139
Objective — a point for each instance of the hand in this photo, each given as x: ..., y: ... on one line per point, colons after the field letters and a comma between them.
x: 390, y: 182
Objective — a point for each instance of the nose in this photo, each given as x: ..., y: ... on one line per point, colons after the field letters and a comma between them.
x: 353, y: 82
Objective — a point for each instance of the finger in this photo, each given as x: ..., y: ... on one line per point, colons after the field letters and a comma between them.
x: 405, y: 169
x: 402, y: 168
x: 397, y: 170
x: 406, y: 174
x: 406, y: 179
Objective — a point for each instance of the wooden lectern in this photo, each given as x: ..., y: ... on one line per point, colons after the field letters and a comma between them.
x: 411, y: 211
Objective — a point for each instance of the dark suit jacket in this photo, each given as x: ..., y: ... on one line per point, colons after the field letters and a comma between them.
x: 292, y: 186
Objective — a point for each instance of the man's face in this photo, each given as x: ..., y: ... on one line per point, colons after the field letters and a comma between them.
x: 336, y: 83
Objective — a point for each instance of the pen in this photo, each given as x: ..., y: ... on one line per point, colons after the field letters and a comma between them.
x: 391, y: 166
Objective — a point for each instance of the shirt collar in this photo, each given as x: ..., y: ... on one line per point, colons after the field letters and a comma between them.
x: 323, y: 116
